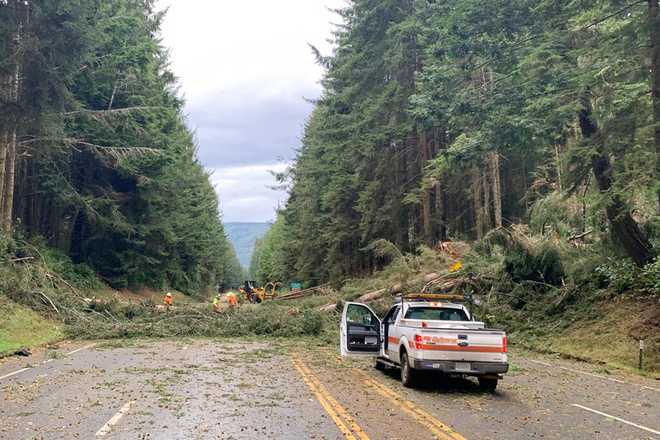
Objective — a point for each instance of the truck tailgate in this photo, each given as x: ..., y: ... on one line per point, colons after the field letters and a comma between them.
x: 461, y: 345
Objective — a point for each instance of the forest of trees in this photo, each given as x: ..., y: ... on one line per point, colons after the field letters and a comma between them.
x: 444, y: 120
x: 95, y: 156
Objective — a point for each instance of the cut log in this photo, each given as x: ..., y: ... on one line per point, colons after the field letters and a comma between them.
x: 303, y: 293
x: 392, y: 290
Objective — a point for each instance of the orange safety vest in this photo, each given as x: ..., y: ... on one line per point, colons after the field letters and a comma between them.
x: 168, y: 300
x: 231, y: 299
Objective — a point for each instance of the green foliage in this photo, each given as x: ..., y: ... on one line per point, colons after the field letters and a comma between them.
x: 541, y: 265
x: 554, y: 213
x: 437, y: 117
x: 107, y: 168
x: 652, y: 277
x: 269, y: 259
x: 138, y: 321
x: 527, y: 258
x: 80, y: 275
x: 622, y: 276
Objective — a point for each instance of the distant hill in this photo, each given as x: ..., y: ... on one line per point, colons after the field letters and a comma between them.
x: 243, y: 236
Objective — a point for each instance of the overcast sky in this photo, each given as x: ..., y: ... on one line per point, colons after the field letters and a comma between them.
x: 244, y: 67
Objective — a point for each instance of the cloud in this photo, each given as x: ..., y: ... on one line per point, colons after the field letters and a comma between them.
x: 242, y: 129
x: 244, y: 68
x: 245, y: 192
x: 220, y: 45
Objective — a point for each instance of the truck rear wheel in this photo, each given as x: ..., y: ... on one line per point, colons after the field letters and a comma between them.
x: 488, y: 384
x: 408, y: 373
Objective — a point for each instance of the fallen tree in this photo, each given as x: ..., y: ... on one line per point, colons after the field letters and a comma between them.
x: 392, y: 290
x: 303, y: 293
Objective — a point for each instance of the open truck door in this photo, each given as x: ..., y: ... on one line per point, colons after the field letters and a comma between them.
x: 359, y: 331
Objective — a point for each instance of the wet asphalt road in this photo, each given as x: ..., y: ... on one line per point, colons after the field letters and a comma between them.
x: 203, y: 389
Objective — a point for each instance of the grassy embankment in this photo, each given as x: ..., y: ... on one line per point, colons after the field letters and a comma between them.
x: 609, y: 336
x: 23, y: 327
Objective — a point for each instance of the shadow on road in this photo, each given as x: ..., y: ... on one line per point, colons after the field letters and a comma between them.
x: 435, y: 383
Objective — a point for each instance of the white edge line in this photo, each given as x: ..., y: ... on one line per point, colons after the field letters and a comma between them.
x: 651, y: 388
x: 105, y: 429
x: 593, y: 375
x: 80, y: 349
x: 6, y: 376
x: 14, y: 373
x: 611, y: 379
x: 618, y: 419
x: 545, y: 364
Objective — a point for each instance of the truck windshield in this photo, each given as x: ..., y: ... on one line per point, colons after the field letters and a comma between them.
x: 436, y: 314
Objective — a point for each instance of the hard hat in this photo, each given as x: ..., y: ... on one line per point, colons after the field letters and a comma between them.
x: 168, y: 294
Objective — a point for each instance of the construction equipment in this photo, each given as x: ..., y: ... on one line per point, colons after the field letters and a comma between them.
x: 272, y: 294
x: 258, y: 295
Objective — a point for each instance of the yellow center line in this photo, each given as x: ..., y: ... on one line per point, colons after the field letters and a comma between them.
x: 434, y: 425
x: 337, y: 413
x: 340, y: 409
x: 439, y: 429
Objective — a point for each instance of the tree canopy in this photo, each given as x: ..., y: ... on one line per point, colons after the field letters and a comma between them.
x: 95, y: 154
x: 447, y: 119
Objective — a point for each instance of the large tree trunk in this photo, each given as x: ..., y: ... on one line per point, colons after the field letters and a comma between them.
x: 496, y: 180
x: 623, y: 227
x: 10, y: 173
x: 654, y: 33
x: 427, y: 230
x: 10, y: 131
x: 485, y: 190
x: 441, y: 212
x: 478, y: 202
x: 4, y: 142
x: 5, y: 128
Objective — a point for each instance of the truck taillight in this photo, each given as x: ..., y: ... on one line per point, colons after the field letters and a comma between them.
x: 418, y: 342
x: 504, y: 344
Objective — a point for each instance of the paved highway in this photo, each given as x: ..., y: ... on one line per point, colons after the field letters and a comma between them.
x: 203, y: 389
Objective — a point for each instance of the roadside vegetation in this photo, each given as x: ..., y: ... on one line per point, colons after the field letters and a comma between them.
x: 73, y: 303
x: 22, y: 327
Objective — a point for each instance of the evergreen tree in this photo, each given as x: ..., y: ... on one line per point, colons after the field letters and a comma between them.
x: 94, y: 151
x: 446, y: 120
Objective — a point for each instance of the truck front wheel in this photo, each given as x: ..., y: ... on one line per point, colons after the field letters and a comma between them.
x: 488, y: 384
x: 408, y: 373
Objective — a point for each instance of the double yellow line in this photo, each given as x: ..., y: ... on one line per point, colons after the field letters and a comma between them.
x: 346, y: 424
x: 439, y: 429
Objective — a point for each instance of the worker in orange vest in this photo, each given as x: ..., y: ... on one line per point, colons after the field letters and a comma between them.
x: 232, y: 300
x: 168, y: 300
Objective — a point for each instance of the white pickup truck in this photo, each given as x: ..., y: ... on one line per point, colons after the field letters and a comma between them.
x: 424, y: 333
